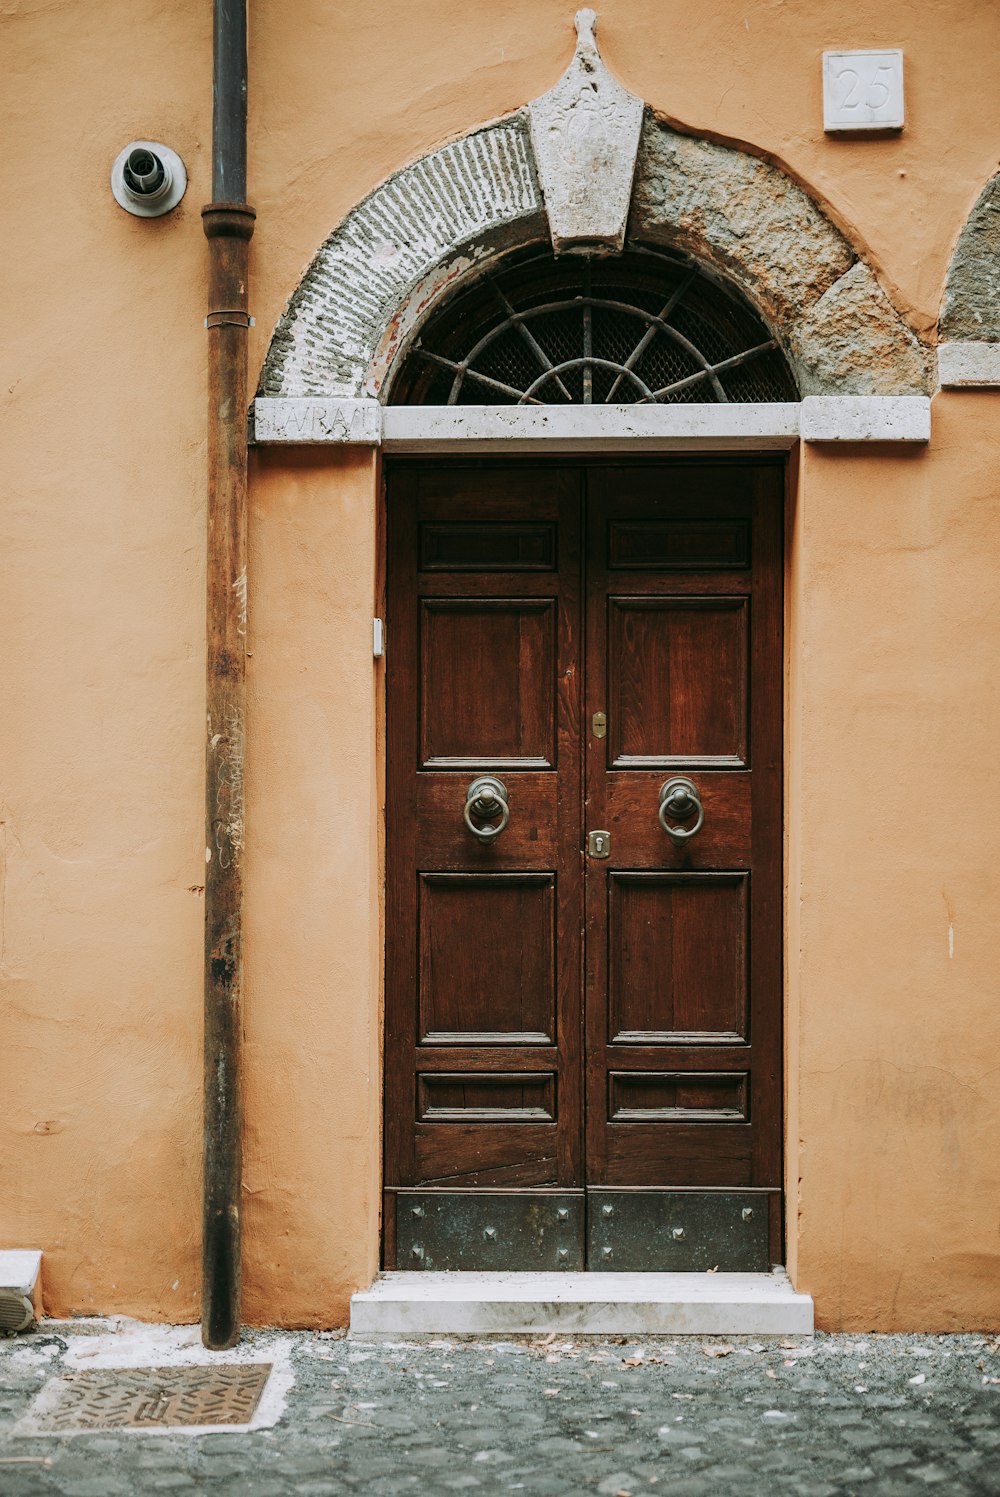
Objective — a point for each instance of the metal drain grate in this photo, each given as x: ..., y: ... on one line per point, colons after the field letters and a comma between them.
x: 149, y: 1398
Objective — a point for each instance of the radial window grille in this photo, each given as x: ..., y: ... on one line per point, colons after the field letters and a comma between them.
x: 643, y: 327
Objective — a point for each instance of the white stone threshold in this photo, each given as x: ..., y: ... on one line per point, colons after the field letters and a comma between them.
x: 586, y: 1304
x: 434, y: 430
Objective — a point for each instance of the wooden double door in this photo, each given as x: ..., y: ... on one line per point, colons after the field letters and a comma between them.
x: 583, y: 1056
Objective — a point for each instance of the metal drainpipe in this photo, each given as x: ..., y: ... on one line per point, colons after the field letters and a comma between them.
x: 228, y: 222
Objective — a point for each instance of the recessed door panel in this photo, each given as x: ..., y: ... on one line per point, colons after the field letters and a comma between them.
x: 677, y: 956
x: 469, y: 1098
x: 678, y: 545
x: 677, y: 1097
x: 487, y: 682
x: 677, y: 680
x: 484, y: 546
x: 487, y: 958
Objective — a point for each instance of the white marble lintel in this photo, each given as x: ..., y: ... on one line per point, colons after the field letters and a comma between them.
x: 866, y: 418
x: 302, y: 419
x: 710, y: 427
x: 973, y: 366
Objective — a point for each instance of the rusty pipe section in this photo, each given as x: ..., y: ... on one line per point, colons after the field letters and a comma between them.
x: 228, y: 226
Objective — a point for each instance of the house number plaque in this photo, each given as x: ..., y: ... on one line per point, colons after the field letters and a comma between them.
x: 862, y: 91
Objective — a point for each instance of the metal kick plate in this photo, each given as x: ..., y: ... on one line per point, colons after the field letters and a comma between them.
x: 147, y: 1398
x: 677, y: 1231
x: 530, y: 1232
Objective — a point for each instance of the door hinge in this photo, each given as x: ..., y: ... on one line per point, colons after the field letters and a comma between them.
x: 599, y: 844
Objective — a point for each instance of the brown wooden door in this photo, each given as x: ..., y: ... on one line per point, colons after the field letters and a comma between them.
x: 583, y: 634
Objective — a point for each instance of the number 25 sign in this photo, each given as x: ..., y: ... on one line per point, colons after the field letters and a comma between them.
x: 863, y: 90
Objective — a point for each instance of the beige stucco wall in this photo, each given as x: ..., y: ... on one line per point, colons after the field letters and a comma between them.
x: 893, y: 1022
x: 893, y: 818
x: 314, y: 965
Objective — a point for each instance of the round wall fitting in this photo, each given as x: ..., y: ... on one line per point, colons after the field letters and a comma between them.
x: 148, y: 179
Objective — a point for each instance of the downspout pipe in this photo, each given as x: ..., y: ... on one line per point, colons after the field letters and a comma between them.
x: 228, y: 223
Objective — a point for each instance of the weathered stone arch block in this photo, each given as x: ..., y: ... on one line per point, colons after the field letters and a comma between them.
x: 433, y: 221
x: 750, y: 222
x: 971, y: 310
x: 445, y: 217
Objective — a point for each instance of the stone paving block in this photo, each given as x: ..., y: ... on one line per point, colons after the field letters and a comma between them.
x: 677, y: 1421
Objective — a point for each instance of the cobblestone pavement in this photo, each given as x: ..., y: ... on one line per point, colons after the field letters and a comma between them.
x: 694, y: 1417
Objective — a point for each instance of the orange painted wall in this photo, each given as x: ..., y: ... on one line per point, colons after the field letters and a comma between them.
x: 895, y: 821
x: 313, y: 783
x: 893, y: 1111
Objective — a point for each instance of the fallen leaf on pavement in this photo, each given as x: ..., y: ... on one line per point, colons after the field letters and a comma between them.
x: 718, y: 1351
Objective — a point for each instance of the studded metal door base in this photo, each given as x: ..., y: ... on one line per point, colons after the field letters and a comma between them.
x: 678, y: 1231
x: 148, y: 1398
x: 606, y: 1231
x: 477, y: 1232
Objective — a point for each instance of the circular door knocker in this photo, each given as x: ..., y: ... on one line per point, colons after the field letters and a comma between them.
x: 679, y: 798
x: 485, y: 799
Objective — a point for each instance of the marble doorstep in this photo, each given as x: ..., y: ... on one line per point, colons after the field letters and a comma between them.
x: 596, y: 1304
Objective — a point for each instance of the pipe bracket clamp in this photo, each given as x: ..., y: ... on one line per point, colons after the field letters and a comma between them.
x: 230, y: 317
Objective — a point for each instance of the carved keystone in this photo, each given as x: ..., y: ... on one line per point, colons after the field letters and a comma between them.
x: 585, y: 133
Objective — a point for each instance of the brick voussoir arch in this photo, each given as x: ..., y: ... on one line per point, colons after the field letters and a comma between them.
x: 446, y: 217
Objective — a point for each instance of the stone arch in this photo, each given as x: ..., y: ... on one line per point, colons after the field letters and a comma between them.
x: 971, y: 309
x: 448, y: 215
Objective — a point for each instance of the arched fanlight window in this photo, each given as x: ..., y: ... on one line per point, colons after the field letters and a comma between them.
x: 641, y: 327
